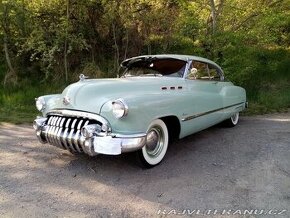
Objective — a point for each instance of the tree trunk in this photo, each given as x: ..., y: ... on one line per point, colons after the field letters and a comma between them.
x: 11, y: 73
x: 126, y: 44
x: 65, y: 42
x: 117, y: 54
x: 215, y: 11
x: 213, y: 15
x: 5, y: 26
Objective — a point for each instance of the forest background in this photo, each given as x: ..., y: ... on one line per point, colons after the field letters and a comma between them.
x: 46, y: 44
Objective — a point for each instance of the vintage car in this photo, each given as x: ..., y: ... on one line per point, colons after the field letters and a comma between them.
x: 158, y: 98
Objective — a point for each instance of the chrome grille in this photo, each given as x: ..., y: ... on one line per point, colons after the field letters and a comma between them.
x: 65, y: 132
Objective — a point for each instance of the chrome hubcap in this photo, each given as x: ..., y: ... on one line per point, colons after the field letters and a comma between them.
x: 155, y: 141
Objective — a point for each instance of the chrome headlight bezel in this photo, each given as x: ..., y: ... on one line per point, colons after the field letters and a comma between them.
x: 40, y: 104
x: 119, y: 108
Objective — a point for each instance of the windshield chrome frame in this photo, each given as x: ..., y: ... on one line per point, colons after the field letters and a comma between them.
x: 187, y: 68
x: 189, y: 62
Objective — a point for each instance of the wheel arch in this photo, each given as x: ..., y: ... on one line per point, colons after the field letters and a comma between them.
x: 173, y: 125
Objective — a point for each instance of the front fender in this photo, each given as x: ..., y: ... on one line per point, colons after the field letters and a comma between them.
x: 51, y: 102
x: 142, y: 111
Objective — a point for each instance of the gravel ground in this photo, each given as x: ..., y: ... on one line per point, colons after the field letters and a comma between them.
x: 227, y: 170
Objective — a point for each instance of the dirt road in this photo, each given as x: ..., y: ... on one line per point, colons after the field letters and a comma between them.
x: 237, y: 169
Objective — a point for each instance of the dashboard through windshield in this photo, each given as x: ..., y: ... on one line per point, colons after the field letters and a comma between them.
x: 155, y: 67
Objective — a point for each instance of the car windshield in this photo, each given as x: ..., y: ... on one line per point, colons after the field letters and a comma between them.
x: 155, y: 67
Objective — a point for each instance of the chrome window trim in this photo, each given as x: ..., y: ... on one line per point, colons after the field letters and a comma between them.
x: 219, y: 71
x: 187, y: 68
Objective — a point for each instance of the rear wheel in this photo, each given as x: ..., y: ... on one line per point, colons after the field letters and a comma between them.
x: 232, y: 121
x: 156, y: 145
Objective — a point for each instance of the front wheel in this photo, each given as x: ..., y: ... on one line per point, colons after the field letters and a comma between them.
x: 156, y: 145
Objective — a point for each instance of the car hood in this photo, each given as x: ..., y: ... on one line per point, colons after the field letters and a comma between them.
x: 90, y: 95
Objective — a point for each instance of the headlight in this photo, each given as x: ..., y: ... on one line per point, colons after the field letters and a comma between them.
x: 120, y: 108
x: 40, y: 103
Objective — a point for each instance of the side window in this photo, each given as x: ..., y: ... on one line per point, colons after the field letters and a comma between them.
x: 199, y: 71
x: 213, y: 73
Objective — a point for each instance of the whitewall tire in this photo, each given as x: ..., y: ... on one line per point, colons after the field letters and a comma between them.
x: 233, y: 120
x: 156, y: 145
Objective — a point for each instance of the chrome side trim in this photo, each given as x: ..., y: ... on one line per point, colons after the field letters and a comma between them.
x: 241, y: 106
x: 209, y: 112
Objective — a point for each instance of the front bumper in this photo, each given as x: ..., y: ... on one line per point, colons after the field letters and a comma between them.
x: 54, y: 133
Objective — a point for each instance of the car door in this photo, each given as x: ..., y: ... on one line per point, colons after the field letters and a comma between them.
x: 204, y: 99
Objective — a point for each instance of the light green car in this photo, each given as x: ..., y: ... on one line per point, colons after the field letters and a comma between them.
x: 159, y: 98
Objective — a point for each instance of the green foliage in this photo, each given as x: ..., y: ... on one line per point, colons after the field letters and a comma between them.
x: 55, y: 40
x: 17, y: 103
x: 92, y: 70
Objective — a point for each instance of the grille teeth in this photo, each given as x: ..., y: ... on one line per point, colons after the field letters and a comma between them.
x: 65, y: 132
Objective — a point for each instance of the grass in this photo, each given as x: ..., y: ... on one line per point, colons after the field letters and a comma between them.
x: 17, y: 116
x: 17, y: 105
x: 265, y: 74
x: 274, y: 98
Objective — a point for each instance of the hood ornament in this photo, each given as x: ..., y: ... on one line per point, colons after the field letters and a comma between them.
x: 83, y: 77
x: 66, y: 100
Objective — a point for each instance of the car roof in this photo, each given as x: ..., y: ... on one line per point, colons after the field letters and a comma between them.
x: 174, y: 56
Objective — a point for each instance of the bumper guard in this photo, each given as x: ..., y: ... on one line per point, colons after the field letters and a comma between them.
x: 110, y: 144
